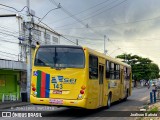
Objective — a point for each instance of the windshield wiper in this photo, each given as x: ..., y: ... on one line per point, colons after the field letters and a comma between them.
x: 59, y: 68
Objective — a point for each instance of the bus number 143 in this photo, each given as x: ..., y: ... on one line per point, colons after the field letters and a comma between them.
x: 58, y: 86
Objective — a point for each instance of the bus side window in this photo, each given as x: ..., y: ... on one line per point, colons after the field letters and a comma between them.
x: 117, y: 71
x: 107, y: 69
x: 112, y: 77
x: 93, y: 67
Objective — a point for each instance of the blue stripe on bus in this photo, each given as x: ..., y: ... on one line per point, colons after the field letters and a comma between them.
x: 47, y: 85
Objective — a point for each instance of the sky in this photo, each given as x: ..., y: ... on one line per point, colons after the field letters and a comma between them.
x: 130, y: 26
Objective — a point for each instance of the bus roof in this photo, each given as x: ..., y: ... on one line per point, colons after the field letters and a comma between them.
x: 72, y: 46
x: 91, y: 51
x: 107, y: 57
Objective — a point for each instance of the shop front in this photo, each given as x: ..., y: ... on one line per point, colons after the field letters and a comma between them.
x: 9, y: 85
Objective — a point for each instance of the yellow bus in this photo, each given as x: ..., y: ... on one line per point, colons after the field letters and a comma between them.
x: 75, y: 76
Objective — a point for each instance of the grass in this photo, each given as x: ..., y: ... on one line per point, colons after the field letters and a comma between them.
x: 153, y: 110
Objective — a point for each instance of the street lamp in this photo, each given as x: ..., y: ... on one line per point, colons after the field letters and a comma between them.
x: 114, y: 51
x: 59, y: 6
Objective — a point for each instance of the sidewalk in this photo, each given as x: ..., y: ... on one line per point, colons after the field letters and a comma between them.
x: 9, y: 104
x: 150, y: 108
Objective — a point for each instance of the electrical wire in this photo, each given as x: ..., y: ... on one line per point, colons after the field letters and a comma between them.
x: 68, y: 39
x: 7, y: 41
x: 6, y: 31
x: 7, y: 10
x: 8, y: 53
x: 7, y: 56
x: 8, y: 28
x: 68, y: 13
x: 81, y: 11
x: 94, y: 14
x: 83, y: 37
x: 9, y: 34
x: 14, y: 8
x: 40, y: 20
x: 55, y: 31
x: 125, y: 23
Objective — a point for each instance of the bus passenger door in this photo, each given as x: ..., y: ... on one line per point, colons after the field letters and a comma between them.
x: 122, y: 84
x: 101, y: 77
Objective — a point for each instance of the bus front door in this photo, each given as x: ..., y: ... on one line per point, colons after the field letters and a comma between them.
x: 101, y: 75
x: 122, y: 84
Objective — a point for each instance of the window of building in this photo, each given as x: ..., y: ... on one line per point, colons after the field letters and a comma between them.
x: 37, y: 35
x: 47, y: 38
x: 37, y: 32
x: 54, y: 40
x: 93, y: 67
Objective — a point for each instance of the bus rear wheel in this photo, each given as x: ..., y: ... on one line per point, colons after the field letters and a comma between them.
x: 109, y: 101
x: 126, y: 96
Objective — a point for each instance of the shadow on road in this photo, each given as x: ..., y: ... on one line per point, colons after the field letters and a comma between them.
x: 100, y: 112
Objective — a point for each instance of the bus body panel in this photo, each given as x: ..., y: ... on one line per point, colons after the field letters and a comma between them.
x: 65, y: 85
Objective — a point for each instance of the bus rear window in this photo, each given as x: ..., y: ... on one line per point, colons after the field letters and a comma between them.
x: 66, y: 57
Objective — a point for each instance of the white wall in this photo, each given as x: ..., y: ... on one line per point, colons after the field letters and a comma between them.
x: 9, y: 33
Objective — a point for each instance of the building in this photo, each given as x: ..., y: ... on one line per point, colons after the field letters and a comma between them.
x: 12, y: 77
x: 13, y: 50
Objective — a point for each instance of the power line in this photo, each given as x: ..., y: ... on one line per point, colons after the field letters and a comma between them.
x: 14, y: 8
x: 8, y: 41
x: 7, y: 56
x: 8, y: 10
x: 54, y: 31
x: 68, y: 13
x: 82, y: 11
x: 132, y: 22
x: 48, y: 13
x: 9, y: 48
x: 68, y: 39
x: 84, y: 37
x: 94, y: 14
x: 6, y: 31
x: 8, y: 53
x: 9, y: 34
x: 9, y: 29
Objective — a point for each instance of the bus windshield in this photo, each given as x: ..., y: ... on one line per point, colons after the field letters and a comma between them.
x: 60, y: 57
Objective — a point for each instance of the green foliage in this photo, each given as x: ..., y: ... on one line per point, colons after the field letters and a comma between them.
x: 142, y: 68
x: 153, y: 110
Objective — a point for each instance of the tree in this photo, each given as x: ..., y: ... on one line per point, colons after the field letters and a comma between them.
x: 142, y: 68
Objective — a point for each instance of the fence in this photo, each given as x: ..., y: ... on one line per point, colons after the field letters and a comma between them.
x: 9, y: 97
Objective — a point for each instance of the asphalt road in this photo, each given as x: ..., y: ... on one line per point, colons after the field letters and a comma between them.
x: 139, y: 97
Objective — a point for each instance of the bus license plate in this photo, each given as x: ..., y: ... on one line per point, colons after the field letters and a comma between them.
x: 56, y: 101
x: 57, y: 92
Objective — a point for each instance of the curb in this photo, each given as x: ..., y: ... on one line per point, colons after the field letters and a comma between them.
x: 6, y: 106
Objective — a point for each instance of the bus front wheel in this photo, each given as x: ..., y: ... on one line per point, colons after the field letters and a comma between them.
x: 126, y: 96
x: 109, y: 101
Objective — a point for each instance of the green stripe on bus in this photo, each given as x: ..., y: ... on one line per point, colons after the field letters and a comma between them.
x: 39, y: 84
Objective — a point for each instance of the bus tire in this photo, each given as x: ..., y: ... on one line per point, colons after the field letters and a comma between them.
x: 109, y: 101
x: 126, y: 96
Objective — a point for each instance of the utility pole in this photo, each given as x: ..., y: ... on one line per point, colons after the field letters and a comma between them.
x: 105, y: 51
x: 29, y: 55
x: 76, y: 41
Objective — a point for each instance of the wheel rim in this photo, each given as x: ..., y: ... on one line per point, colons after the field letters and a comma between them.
x: 109, y: 101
